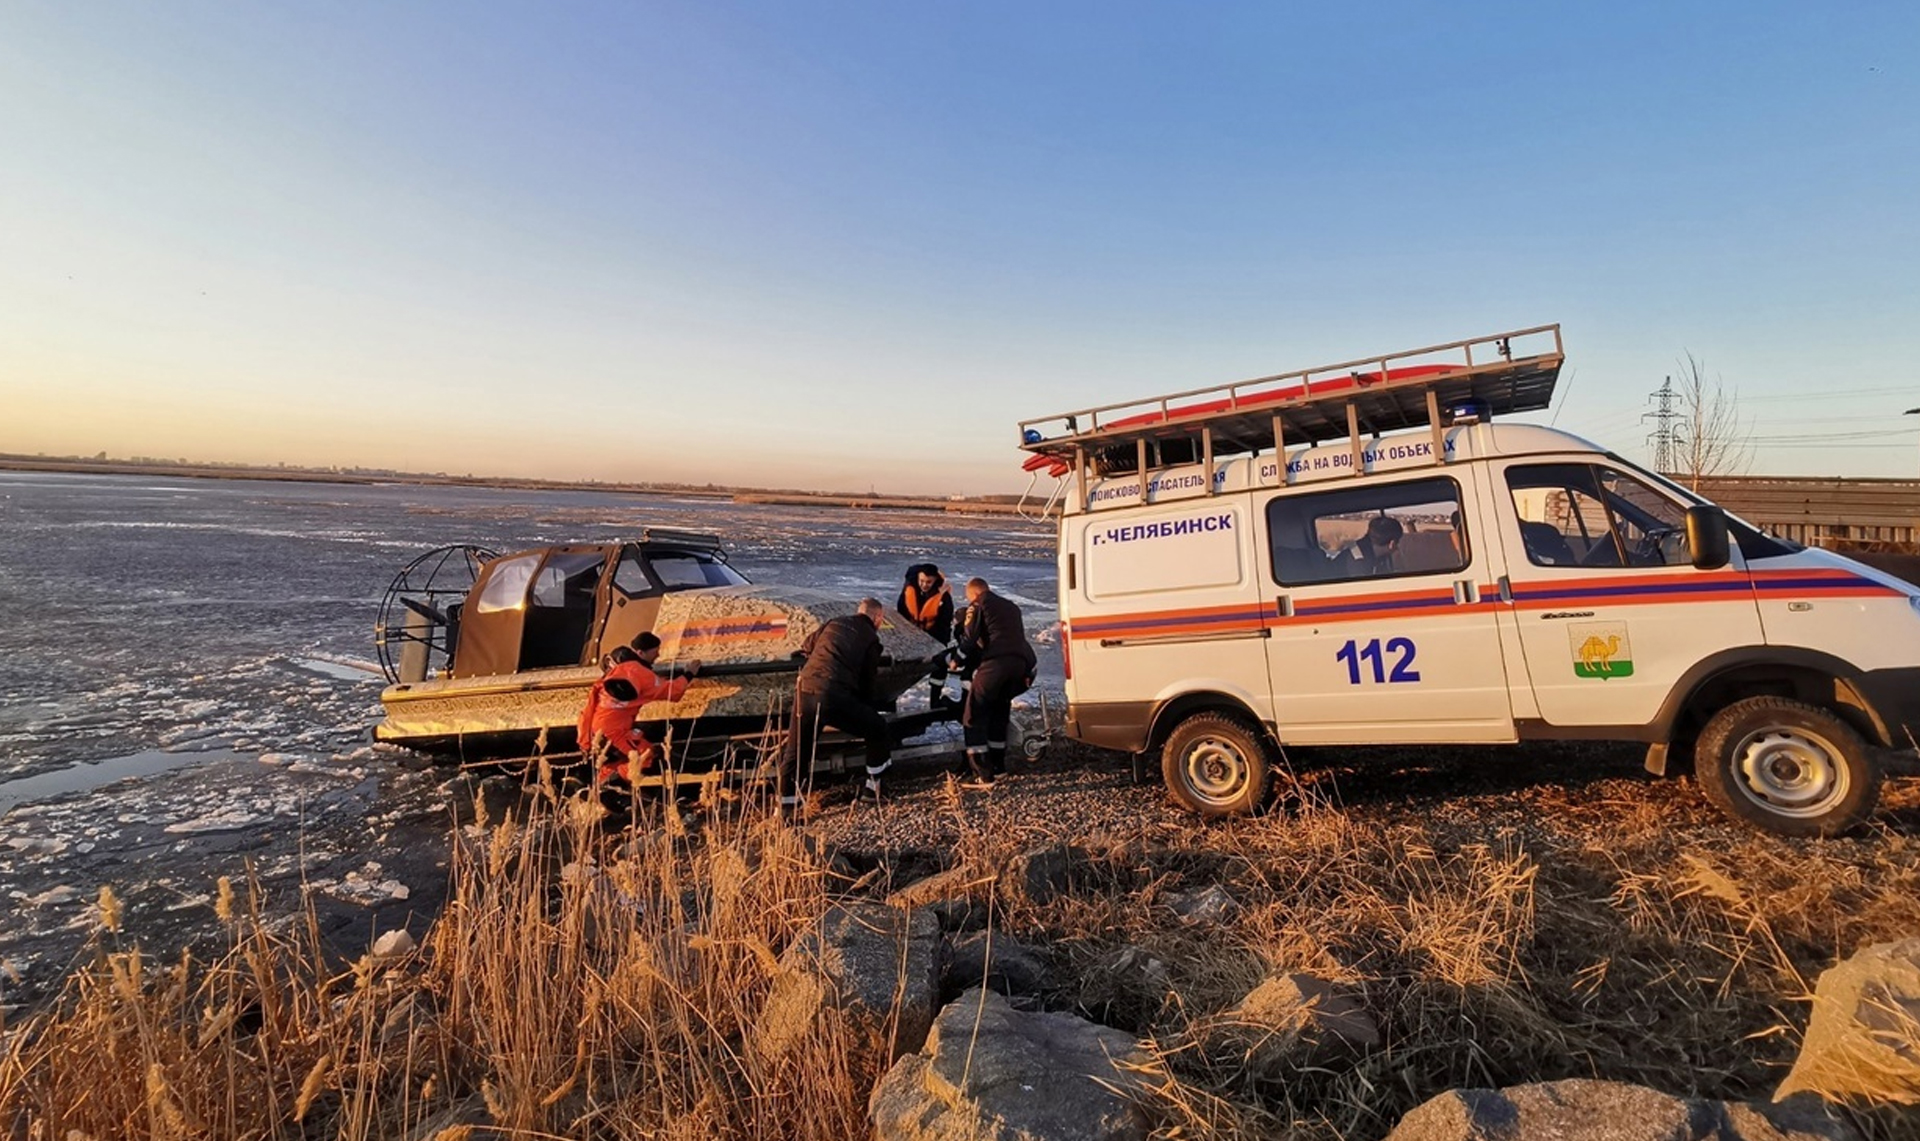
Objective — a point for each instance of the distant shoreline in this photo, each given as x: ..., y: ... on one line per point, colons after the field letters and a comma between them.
x: 994, y: 505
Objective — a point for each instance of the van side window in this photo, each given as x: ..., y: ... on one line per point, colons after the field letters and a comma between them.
x: 1378, y: 531
x: 1652, y: 528
x: 1578, y: 515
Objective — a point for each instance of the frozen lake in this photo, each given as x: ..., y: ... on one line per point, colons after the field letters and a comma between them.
x: 187, y: 678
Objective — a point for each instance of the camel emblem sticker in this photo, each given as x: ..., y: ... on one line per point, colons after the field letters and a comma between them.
x: 1600, y: 650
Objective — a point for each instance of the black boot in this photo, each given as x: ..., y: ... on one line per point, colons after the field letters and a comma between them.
x: 980, y: 769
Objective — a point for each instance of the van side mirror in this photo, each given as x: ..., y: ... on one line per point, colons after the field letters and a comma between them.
x: 1707, y: 541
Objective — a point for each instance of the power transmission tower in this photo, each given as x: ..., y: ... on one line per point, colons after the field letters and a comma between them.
x: 1666, y: 438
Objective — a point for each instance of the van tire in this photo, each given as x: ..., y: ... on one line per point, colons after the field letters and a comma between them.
x: 1791, y: 768
x: 1217, y: 765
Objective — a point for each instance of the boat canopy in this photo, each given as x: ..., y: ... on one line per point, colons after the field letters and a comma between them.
x: 562, y: 606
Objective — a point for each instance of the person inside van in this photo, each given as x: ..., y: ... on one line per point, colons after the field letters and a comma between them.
x: 1373, y: 552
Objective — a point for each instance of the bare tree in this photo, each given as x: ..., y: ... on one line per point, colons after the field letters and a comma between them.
x: 1710, y: 438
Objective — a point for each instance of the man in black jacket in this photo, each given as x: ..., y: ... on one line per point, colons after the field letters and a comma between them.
x: 836, y: 690
x: 994, y: 640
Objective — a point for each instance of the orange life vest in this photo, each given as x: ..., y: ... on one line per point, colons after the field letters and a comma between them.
x: 925, y: 612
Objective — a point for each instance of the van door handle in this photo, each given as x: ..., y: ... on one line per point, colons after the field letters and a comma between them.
x: 1464, y: 592
x: 1284, y: 606
x: 1506, y: 589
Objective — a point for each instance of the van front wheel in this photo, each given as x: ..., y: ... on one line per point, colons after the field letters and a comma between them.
x: 1792, y: 768
x: 1217, y: 765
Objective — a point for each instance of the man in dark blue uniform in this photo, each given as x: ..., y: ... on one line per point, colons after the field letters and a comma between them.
x: 994, y: 640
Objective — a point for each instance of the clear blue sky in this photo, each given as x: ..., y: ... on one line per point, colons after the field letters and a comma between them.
x: 844, y: 244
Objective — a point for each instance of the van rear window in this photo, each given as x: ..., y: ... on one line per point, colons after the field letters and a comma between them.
x: 1377, y: 531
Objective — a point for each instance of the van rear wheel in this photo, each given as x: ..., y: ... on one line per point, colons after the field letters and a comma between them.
x: 1791, y: 768
x: 1217, y: 765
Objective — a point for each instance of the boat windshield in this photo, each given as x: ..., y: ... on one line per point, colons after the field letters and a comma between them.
x: 686, y: 570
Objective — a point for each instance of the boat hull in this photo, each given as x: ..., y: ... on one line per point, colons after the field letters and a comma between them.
x: 746, y: 639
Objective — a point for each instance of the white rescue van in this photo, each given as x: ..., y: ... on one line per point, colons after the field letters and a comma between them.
x: 1359, y: 555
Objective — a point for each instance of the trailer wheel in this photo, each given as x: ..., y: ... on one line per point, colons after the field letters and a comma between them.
x: 1217, y: 765
x: 1791, y: 768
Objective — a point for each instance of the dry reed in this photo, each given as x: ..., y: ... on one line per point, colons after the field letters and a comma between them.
x: 586, y: 981
x: 581, y: 981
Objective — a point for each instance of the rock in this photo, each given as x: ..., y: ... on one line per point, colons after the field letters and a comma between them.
x: 398, y: 1025
x: 1586, y: 1110
x: 940, y: 887
x: 992, y: 1073
x: 903, y: 867
x: 53, y: 896
x: 1578, y: 1110
x: 998, y: 962
x: 843, y: 877
x: 392, y: 945
x: 1210, y: 904
x: 1289, y: 1017
x: 1303, y: 1000
x: 961, y: 914
x: 866, y: 963
x: 1138, y: 967
x: 1795, y: 1119
x: 1863, y: 1041
x: 466, y: 1119
x: 1041, y: 875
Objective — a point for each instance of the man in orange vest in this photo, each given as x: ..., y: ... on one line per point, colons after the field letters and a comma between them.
x: 926, y: 602
x: 607, y: 730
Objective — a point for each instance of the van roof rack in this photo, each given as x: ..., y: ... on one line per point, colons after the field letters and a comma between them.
x: 1496, y: 375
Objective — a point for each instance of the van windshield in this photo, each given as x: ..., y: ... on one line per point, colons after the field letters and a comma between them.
x: 1754, y: 540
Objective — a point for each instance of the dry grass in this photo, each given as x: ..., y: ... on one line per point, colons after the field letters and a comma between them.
x: 1647, y: 947
x: 594, y: 982
x: 580, y: 982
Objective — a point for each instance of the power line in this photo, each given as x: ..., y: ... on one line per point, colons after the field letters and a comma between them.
x: 1855, y: 418
x: 1830, y: 395
x: 1850, y: 447
x: 1816, y: 436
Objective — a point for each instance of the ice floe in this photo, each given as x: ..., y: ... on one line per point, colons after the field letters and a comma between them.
x: 52, y: 897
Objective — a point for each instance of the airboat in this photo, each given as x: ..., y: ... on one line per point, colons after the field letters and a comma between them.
x: 492, y: 655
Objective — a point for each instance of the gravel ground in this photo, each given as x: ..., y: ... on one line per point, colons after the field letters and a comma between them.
x: 1541, y: 795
